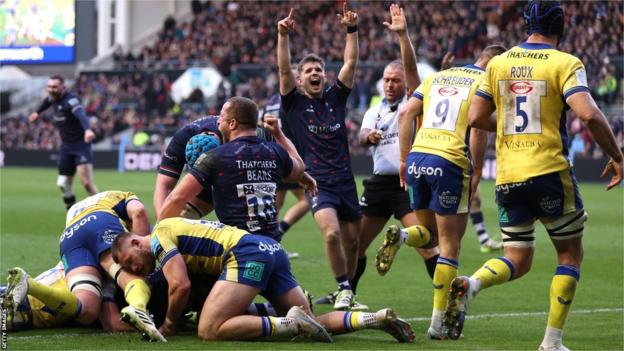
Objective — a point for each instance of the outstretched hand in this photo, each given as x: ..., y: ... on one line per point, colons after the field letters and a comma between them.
x: 615, y: 168
x: 287, y: 24
x: 348, y: 18
x: 397, y: 23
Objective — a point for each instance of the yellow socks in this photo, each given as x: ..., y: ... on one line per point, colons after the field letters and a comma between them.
x: 494, y: 272
x: 137, y: 293
x: 279, y: 326
x: 59, y: 300
x: 562, y: 291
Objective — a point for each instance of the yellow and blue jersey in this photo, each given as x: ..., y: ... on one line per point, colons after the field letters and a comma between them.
x: 112, y: 202
x: 204, y: 245
x: 529, y: 84
x: 446, y: 97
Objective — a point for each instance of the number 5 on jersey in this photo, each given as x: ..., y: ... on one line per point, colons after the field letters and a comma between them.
x: 522, y: 106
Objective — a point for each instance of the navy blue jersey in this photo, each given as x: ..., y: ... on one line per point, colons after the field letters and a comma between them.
x: 244, y: 175
x: 69, y: 117
x: 319, y: 127
x: 274, y: 108
x: 174, y: 159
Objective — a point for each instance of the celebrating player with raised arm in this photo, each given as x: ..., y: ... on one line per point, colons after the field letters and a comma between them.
x: 317, y: 115
x: 530, y: 87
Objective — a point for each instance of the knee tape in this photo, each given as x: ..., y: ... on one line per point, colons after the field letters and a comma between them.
x: 64, y: 183
x: 519, y: 236
x: 568, y: 226
x: 87, y: 282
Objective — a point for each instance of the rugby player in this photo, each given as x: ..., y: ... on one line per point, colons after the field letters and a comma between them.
x: 437, y: 172
x: 247, y: 265
x: 76, y: 136
x: 530, y: 87
x: 316, y: 116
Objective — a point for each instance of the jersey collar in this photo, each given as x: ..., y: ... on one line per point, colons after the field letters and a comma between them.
x: 535, y: 46
x: 475, y: 67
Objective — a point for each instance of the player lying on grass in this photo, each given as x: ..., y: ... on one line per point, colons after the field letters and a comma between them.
x: 33, y: 313
x: 91, y: 226
x: 247, y: 265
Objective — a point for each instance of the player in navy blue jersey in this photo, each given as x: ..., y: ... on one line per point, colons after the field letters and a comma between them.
x: 316, y: 116
x: 76, y: 136
x: 243, y: 172
x: 173, y: 163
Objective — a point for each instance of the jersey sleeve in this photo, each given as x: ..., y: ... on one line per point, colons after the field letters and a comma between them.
x: 204, y: 167
x: 45, y: 104
x: 288, y: 101
x: 368, y: 121
x: 76, y: 108
x: 419, y: 93
x: 174, y: 159
x: 341, y: 91
x: 121, y: 207
x: 574, y: 79
x: 163, y: 246
x: 485, y: 87
x: 287, y: 164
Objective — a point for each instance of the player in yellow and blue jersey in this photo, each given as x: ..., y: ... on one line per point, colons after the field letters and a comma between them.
x: 247, y: 265
x: 437, y: 171
x: 91, y: 226
x: 531, y: 86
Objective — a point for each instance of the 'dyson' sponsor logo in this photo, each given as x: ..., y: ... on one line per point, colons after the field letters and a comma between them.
x: 523, y: 87
x: 418, y: 171
x: 447, y: 91
x: 69, y: 232
x: 271, y: 248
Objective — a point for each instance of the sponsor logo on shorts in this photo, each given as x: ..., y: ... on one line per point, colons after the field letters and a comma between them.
x: 363, y: 201
x: 504, y: 188
x: 314, y: 201
x: 109, y: 235
x: 503, y: 217
x: 271, y: 248
x: 69, y: 232
x: 550, y: 205
x: 253, y: 271
x: 447, y: 200
x: 418, y: 171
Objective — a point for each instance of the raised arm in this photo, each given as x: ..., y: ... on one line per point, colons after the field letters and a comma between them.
x: 407, y: 120
x: 271, y: 123
x: 585, y: 107
x: 398, y: 24
x: 286, y: 78
x: 349, y: 19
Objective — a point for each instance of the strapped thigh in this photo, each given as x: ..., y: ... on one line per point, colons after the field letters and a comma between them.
x: 567, y: 227
x: 518, y: 235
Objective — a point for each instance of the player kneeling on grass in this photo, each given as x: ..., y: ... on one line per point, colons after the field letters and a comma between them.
x: 91, y: 226
x: 247, y: 265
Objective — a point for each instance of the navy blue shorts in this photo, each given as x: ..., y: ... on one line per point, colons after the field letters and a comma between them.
x: 260, y: 262
x: 71, y: 156
x: 437, y: 184
x: 87, y: 237
x: 339, y: 194
x: 383, y: 197
x: 548, y: 196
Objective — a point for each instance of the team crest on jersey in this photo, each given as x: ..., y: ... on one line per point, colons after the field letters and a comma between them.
x: 109, y: 235
x: 73, y: 102
x: 447, y: 200
x: 521, y: 88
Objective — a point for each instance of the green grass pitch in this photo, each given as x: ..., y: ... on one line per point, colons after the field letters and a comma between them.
x: 507, y: 317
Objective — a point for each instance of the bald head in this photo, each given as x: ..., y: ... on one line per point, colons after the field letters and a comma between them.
x: 394, y: 81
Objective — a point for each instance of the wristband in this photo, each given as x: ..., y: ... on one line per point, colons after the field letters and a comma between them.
x: 352, y: 29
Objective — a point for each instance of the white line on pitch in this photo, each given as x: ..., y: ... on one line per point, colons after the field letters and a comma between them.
x: 413, y: 319
x: 523, y: 314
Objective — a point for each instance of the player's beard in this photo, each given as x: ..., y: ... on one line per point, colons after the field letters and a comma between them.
x: 149, y: 262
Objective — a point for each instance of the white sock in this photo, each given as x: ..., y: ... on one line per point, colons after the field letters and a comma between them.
x: 403, y: 237
x: 436, y: 320
x: 552, y: 337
